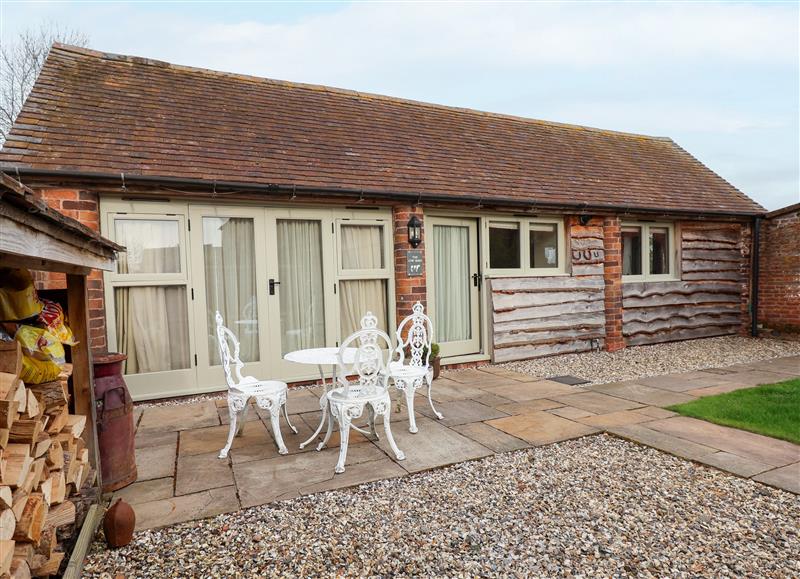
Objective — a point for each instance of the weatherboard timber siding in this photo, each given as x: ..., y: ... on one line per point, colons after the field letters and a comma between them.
x: 710, y: 299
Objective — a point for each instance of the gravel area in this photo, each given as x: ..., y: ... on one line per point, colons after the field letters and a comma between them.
x: 597, y: 506
x: 669, y: 358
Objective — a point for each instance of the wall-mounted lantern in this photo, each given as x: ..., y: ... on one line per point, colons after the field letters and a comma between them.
x: 414, y: 231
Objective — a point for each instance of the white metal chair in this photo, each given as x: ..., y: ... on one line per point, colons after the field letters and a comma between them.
x: 269, y: 394
x: 370, y: 388
x: 415, y: 334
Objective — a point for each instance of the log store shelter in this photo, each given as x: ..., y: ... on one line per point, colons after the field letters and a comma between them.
x: 294, y: 208
x: 35, y: 236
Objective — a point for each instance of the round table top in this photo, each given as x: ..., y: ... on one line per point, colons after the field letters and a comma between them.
x: 320, y: 356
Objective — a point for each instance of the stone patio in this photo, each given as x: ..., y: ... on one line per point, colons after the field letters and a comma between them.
x: 487, y: 410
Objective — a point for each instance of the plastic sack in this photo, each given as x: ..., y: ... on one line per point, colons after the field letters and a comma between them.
x: 38, y: 371
x: 53, y: 319
x: 40, y: 344
x: 18, y: 297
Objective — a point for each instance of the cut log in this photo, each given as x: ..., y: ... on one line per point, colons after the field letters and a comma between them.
x: 75, y: 425
x: 20, y: 569
x: 52, y: 395
x: 55, y: 455
x: 58, y: 488
x: 58, y: 421
x: 6, y: 555
x: 9, y: 385
x: 5, y: 497
x: 17, y: 468
x: 23, y: 551
x: 21, y: 396
x: 51, y: 567
x: 33, y: 409
x: 46, y: 488
x: 29, y: 527
x: 25, y: 430
x: 17, y: 449
x: 42, y: 445
x: 19, y: 500
x: 8, y: 412
x: 42, y: 552
x: 10, y: 357
x: 4, y: 433
x: 60, y: 515
x: 7, y: 524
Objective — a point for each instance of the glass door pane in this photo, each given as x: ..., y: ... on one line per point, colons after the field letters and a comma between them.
x: 301, y: 290
x: 230, y: 283
x: 452, y: 283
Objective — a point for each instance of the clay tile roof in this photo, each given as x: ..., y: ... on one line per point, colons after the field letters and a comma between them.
x: 105, y: 113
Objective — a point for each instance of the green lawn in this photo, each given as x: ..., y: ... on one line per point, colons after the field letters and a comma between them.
x: 772, y: 409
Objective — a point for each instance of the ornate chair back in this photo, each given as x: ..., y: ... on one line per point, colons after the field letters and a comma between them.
x: 373, y: 353
x: 415, y: 334
x: 231, y: 363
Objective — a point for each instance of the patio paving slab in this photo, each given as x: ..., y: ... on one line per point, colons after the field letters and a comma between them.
x: 311, y: 421
x: 200, y: 472
x: 460, y: 412
x: 433, y: 446
x: 597, y: 402
x: 666, y: 442
x: 356, y: 474
x: 146, y: 491
x: 719, y: 389
x: 448, y: 390
x: 759, y: 377
x: 738, y: 442
x: 529, y: 406
x: 149, y: 438
x: 570, y: 412
x: 505, y: 373
x: 163, y: 512
x: 490, y: 437
x: 656, y: 412
x: 155, y: 461
x: 213, y: 438
x: 492, y: 400
x: 540, y: 428
x: 737, y: 465
x: 179, y: 416
x: 302, y: 400
x: 619, y: 418
x: 644, y: 394
x: 524, y: 391
x: 225, y: 417
x: 670, y: 382
x: 786, y: 478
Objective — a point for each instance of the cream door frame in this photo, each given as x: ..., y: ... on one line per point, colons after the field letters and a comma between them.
x: 474, y: 344
x: 168, y: 383
x: 212, y: 378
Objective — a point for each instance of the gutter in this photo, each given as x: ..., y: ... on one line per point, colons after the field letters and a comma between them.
x: 373, y: 193
x: 755, y: 277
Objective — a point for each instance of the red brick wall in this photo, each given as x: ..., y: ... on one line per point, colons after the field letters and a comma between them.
x: 779, y: 277
x: 612, y: 275
x: 408, y: 290
x: 83, y: 206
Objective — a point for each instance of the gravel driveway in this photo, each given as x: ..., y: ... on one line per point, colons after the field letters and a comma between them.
x: 597, y: 506
x: 668, y: 358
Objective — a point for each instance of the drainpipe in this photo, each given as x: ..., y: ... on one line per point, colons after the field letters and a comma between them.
x: 756, y: 251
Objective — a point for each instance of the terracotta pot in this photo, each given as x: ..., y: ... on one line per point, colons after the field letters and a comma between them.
x: 118, y: 524
x: 437, y: 366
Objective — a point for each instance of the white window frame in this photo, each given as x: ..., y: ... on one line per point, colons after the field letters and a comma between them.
x: 524, y: 225
x: 645, y: 226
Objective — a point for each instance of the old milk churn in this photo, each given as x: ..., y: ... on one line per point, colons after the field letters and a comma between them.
x: 114, y: 422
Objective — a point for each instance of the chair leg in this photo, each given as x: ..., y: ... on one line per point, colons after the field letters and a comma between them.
x: 410, y: 393
x: 388, y: 430
x: 344, y: 439
x: 371, y: 421
x: 286, y: 416
x: 274, y: 418
x: 231, y: 431
x: 429, y: 380
x: 242, y: 419
x: 325, y: 440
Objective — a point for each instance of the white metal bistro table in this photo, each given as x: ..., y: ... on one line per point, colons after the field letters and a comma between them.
x: 321, y: 357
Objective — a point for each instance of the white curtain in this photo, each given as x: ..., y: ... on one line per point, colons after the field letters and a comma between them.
x: 631, y: 251
x: 362, y: 249
x: 451, y: 283
x: 151, y: 321
x: 230, y: 272
x: 301, y: 290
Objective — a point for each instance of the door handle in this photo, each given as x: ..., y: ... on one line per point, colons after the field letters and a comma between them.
x: 272, y: 284
x: 476, y: 279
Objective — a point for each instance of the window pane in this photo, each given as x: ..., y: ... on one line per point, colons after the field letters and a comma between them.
x: 230, y: 268
x: 301, y: 290
x: 631, y: 251
x: 152, y: 328
x: 544, y: 244
x: 153, y: 246
x: 659, y: 250
x: 357, y: 297
x: 362, y: 246
x: 453, y: 313
x: 504, y: 245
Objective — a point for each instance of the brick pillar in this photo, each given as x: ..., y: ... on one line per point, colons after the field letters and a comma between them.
x: 408, y: 290
x: 612, y: 275
x: 84, y: 207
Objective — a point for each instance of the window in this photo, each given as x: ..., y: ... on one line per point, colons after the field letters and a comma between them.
x: 363, y: 273
x: 525, y: 246
x: 648, y: 251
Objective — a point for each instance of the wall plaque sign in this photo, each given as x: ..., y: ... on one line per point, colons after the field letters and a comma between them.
x: 414, y: 263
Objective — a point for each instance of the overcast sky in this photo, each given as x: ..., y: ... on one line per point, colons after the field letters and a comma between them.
x: 721, y: 79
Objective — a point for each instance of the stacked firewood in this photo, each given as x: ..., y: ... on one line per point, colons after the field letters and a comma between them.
x: 43, y: 463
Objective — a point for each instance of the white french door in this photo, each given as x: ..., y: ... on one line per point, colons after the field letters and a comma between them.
x: 454, y: 284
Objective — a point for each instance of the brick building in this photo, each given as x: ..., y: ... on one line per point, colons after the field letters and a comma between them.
x: 286, y: 207
x: 779, y: 277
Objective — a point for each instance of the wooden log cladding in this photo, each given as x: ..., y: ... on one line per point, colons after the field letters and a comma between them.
x: 676, y: 335
x: 543, y: 316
